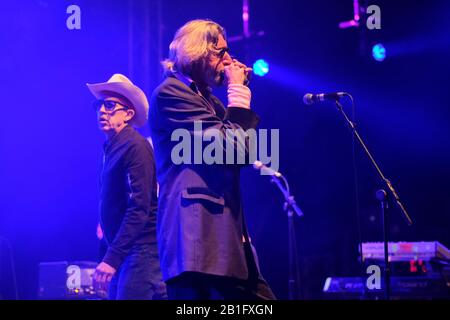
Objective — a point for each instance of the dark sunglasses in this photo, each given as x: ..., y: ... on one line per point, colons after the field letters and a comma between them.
x: 110, y: 105
x: 221, y: 52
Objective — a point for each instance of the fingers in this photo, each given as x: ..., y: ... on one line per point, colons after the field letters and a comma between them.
x: 239, y: 64
x: 108, y: 278
x: 96, y: 280
x: 233, y: 67
x: 237, y: 73
x: 101, y: 281
x: 247, y: 70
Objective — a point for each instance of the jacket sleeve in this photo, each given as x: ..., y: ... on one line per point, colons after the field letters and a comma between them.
x: 140, y: 177
x: 178, y: 110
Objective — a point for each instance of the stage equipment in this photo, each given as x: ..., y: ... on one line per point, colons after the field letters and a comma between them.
x: 63, y: 280
x: 381, y: 194
x: 290, y: 207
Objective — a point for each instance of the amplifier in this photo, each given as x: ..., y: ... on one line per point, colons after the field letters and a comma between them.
x: 66, y: 280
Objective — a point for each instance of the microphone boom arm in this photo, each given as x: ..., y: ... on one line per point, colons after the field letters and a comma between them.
x: 380, y: 173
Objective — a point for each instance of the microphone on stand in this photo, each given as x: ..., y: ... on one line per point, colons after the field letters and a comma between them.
x: 290, y: 205
x: 310, y: 98
x: 258, y: 165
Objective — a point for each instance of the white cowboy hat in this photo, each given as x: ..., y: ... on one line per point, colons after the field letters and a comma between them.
x: 120, y: 84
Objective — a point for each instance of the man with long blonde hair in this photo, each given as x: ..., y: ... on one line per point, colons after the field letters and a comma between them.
x: 203, y: 242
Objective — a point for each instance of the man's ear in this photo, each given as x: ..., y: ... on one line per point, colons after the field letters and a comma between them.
x: 130, y: 114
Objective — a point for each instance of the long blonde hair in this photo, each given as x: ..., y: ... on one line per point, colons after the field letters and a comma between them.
x: 192, y: 44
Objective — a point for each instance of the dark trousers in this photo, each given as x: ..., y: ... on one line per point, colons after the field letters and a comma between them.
x: 200, y: 286
x: 139, y: 276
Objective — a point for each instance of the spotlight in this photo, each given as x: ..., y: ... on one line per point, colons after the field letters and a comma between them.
x: 260, y: 67
x: 379, y: 52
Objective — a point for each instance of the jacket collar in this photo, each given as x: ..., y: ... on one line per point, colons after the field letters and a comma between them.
x: 189, y: 82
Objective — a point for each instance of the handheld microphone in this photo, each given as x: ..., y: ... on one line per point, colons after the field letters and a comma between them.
x: 310, y: 98
x: 258, y: 165
x: 248, y: 76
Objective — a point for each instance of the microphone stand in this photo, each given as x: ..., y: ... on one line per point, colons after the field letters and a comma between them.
x: 381, y: 196
x: 290, y: 207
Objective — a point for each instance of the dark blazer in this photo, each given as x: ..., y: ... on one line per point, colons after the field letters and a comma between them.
x: 200, y: 223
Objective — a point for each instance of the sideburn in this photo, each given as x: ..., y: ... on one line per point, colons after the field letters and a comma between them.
x: 198, y: 70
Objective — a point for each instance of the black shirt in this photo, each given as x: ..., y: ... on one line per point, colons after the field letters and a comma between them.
x: 128, y: 196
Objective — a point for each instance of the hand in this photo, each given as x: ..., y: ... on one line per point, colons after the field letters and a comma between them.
x: 102, y: 277
x: 99, y: 232
x: 237, y: 73
x: 248, y: 71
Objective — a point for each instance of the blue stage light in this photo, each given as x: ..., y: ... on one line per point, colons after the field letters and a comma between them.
x: 379, y: 52
x: 260, y: 67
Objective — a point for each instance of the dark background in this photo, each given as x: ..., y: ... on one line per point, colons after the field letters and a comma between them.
x: 50, y: 148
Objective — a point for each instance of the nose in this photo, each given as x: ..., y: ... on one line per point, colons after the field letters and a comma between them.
x: 102, y: 109
x: 227, y: 60
x: 102, y: 113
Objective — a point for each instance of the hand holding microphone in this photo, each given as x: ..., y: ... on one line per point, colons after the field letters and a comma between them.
x: 237, y: 76
x: 237, y: 73
x: 248, y: 71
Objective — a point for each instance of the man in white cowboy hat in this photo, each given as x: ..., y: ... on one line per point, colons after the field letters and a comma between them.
x: 128, y: 195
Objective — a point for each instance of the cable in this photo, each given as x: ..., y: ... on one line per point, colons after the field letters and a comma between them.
x: 356, y: 185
